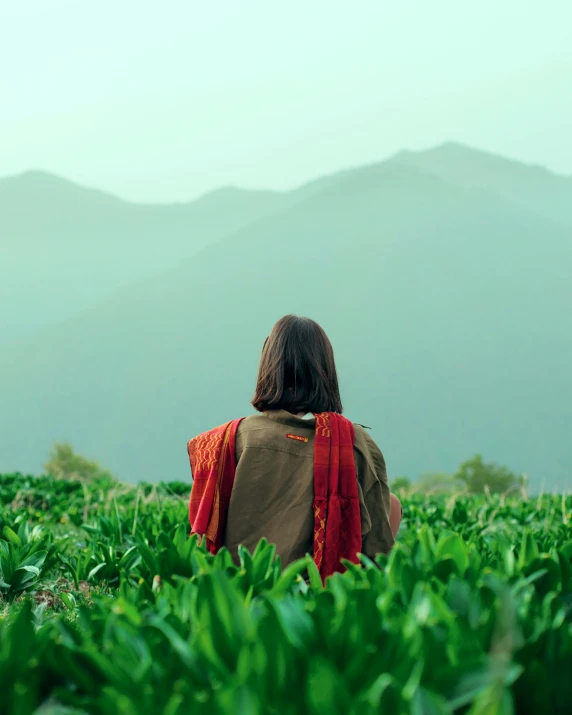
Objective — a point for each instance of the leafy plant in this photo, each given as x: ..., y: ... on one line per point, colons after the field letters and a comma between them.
x: 23, y: 556
x: 470, y: 613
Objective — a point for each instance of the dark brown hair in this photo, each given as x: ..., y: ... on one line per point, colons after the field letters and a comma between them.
x: 297, y: 370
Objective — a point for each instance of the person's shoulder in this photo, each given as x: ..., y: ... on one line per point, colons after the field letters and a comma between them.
x: 369, y: 458
x: 365, y: 443
x: 362, y: 433
x: 253, y: 422
x: 253, y: 427
x: 215, y: 431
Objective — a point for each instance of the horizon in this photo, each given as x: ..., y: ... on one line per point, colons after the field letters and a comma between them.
x: 305, y: 182
x: 175, y: 103
x: 449, y: 264
x: 174, y: 179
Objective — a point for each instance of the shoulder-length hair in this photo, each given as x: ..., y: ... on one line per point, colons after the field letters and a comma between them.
x: 297, y: 371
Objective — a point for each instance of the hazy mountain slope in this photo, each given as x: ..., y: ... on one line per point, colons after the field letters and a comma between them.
x: 65, y: 247
x: 446, y: 307
x: 531, y: 187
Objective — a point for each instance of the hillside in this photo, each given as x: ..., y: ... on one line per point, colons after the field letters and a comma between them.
x: 530, y: 187
x: 65, y: 247
x: 445, y: 304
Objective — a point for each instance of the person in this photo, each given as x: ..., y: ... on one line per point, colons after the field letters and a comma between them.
x: 298, y: 472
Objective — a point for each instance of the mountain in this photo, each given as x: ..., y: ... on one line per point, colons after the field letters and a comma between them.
x: 65, y: 247
x: 530, y: 187
x: 446, y: 304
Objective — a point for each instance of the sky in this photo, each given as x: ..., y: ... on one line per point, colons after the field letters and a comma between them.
x: 165, y: 101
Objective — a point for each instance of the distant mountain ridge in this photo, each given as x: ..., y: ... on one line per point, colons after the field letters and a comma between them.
x: 37, y: 185
x: 445, y: 300
x: 528, y: 186
x: 74, y: 246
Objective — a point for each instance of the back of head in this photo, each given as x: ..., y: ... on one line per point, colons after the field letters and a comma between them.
x: 297, y: 369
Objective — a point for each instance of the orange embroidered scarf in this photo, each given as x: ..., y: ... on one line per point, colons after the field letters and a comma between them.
x: 337, y: 519
x: 213, y: 464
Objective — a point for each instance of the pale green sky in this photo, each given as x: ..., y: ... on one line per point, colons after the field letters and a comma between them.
x: 164, y: 100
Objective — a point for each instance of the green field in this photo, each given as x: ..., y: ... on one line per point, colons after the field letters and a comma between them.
x: 106, y: 606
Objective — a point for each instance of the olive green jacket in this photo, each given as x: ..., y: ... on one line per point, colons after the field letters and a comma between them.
x: 273, y: 488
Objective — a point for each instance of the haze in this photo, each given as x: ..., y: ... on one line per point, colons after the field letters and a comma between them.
x: 165, y: 103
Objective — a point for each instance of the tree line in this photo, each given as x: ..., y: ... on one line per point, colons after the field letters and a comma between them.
x: 473, y: 476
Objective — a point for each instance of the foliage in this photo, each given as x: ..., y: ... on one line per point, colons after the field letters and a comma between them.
x: 437, y: 482
x: 22, y: 558
x: 477, y: 476
x: 470, y: 613
x: 64, y: 463
x: 473, y: 476
x: 400, y: 484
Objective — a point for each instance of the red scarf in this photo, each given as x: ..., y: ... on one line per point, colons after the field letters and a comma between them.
x: 213, y: 464
x: 337, y: 520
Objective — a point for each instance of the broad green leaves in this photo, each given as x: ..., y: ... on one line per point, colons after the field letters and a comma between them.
x: 471, y: 612
x: 22, y: 558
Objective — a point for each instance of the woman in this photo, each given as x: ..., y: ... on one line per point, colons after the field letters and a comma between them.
x: 298, y: 473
